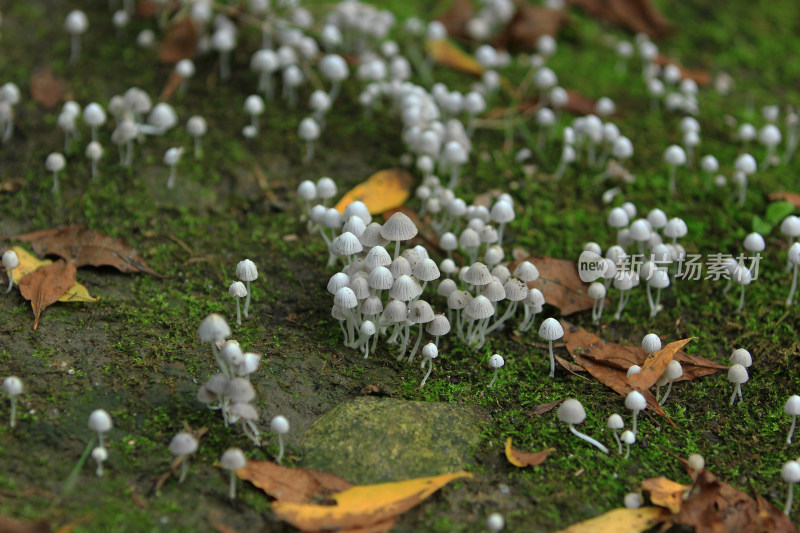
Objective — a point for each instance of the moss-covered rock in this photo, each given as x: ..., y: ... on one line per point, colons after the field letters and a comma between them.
x: 375, y: 440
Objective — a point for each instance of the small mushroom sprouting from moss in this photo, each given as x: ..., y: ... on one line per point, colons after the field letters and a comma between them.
x: 246, y: 271
x: 628, y: 437
x: 100, y: 423
x: 615, y: 423
x: 496, y: 362
x: 737, y: 374
x: 55, y: 163
x: 279, y: 425
x: 238, y: 290
x: 183, y: 445
x: 429, y: 353
x: 232, y: 460
x: 673, y: 372
x: 551, y: 330
x: 100, y: 456
x: 76, y: 25
x: 572, y: 412
x: 12, y: 386
x: 10, y: 260
x: 792, y: 407
x: 635, y: 401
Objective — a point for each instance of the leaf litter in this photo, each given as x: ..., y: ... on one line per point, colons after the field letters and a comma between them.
x: 46, y: 286
x: 384, y: 190
x: 560, y: 284
x: 523, y: 459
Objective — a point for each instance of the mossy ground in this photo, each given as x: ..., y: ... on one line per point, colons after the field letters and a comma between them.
x: 135, y: 352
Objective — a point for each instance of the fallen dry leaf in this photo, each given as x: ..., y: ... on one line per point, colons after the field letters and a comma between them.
x: 559, y: 283
x: 791, y: 197
x: 384, y: 190
x: 180, y: 42
x: 523, y: 459
x: 456, y: 17
x: 363, y: 505
x: 47, y: 89
x: 12, y: 525
x: 638, y: 16
x: 665, y: 492
x: 577, y: 104
x: 655, y: 365
x: 621, y: 521
x: 446, y: 53
x: 543, y: 408
x: 294, y: 485
x: 528, y: 24
x: 717, y: 506
x: 83, y: 246
x: 29, y: 263
x: 46, y: 285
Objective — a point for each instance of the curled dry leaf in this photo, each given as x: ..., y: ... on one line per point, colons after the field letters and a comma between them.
x: 656, y: 364
x: 621, y: 521
x: 292, y: 484
x: 364, y: 505
x: 46, y: 286
x: 638, y: 16
x: 665, y: 492
x: 523, y: 459
x: 456, y: 17
x: 47, y: 89
x: 717, y: 506
x: 180, y: 42
x: 528, y: 24
x: 384, y: 190
x: 543, y: 408
x: 559, y: 283
x: 446, y: 53
x: 83, y: 246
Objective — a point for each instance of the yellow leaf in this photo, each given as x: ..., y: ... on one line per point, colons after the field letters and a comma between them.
x: 78, y: 293
x: 665, y: 492
x: 363, y: 505
x: 384, y: 190
x: 621, y: 521
x: 656, y: 364
x: 448, y: 54
x: 29, y: 263
x: 523, y: 459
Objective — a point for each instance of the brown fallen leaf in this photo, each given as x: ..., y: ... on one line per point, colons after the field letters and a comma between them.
x: 173, y: 82
x: 528, y: 24
x: 621, y: 521
x: 560, y: 284
x: 47, y: 89
x: 543, y: 408
x: 791, y: 197
x: 384, y: 190
x: 294, y: 485
x: 180, y: 42
x: 12, y: 525
x: 577, y: 104
x: 655, y: 365
x: 665, y: 492
x: 717, y: 506
x: 363, y: 505
x: 703, y: 78
x: 46, y: 285
x: 456, y: 17
x: 523, y: 459
x: 83, y: 246
x: 638, y: 16
x: 446, y: 53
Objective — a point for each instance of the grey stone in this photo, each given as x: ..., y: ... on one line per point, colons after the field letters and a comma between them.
x: 376, y: 440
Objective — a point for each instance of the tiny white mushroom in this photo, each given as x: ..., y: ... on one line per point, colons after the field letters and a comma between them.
x: 171, y: 158
x: 237, y: 290
x: 792, y: 407
x: 76, y: 25
x: 790, y: 472
x: 737, y: 374
x: 616, y: 423
x: 673, y: 372
x: 635, y: 401
x: 12, y: 386
x: 183, y: 445
x: 309, y: 131
x: 246, y: 271
x: 551, y: 330
x: 628, y: 437
x: 571, y: 412
x: 232, y: 460
x: 496, y: 362
x: 100, y: 423
x: 55, y: 163
x: 100, y: 456
x: 197, y: 127
x: 10, y: 261
x: 279, y: 425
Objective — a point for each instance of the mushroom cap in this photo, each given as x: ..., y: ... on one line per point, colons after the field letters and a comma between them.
x: 794, y: 253
x: 94, y: 151
x: 737, y: 374
x: 551, y: 329
x: 515, y: 290
x: 527, y: 272
x: 792, y: 406
x: 399, y: 228
x: 237, y: 289
x: 358, y: 209
x: 246, y: 270
x: 183, y: 444
x: 243, y: 411
x: 94, y: 115
x: 633, y: 369
x: 185, y: 68
x: 448, y: 242
x: 162, y: 116
x: 742, y: 357
x: 380, y: 278
x: 233, y: 459
x: 367, y: 328
x: 346, y: 244
x: 254, y: 105
x: 597, y: 290
x: 240, y: 390
x: 618, y: 218
x: 633, y: 500
x: 345, y: 298
x: 307, y: 190
x: 495, y: 522
x: 615, y: 422
x: 10, y: 259
x: 571, y: 411
x: 535, y: 298
x: 426, y: 270
x: 430, y: 351
x: 173, y: 155
x: 326, y: 187
x: 622, y: 148
x: 754, y: 242
x: 231, y: 352
x: 493, y: 290
x: 279, y: 425
x: 709, y: 164
x: 479, y: 308
x: 790, y: 472
x: 337, y: 281
x: 76, y: 22
x: 309, y: 129
x: 791, y: 226
x: 217, y: 383
x: 635, y: 401
x: 651, y: 343
x: 334, y: 67
x: 770, y: 135
x: 395, y: 311
x: 420, y: 312
x: 446, y: 287
x: 742, y: 275
x: 213, y: 328
x: 249, y: 364
x: 55, y: 162
x: 502, y: 212
x: 675, y: 155
x: 659, y: 279
x: 496, y: 361
x: 478, y: 274
x: 627, y: 437
x: 100, y: 421
x: 641, y: 230
x: 372, y: 306
x: 372, y: 236
x: 265, y: 60
x: 405, y: 288
x: 99, y: 454
x: 746, y: 163
x: 458, y: 299
x: 696, y: 462
x: 12, y: 386
x: 439, y: 326
x: 674, y: 370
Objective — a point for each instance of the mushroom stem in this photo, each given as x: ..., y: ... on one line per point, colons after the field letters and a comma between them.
x: 794, y: 287
x: 55, y: 181
x: 430, y: 369
x: 280, y: 449
x: 666, y: 394
x: 619, y: 442
x: 416, y: 345
x: 10, y: 285
x: 247, y: 299
x: 184, y: 468
x: 588, y: 439
x: 309, y: 152
x: 75, y: 48
x: 238, y: 313
x: 737, y: 389
x: 198, y: 147
x: 788, y: 437
x: 224, y: 65
x: 494, y: 378
x: 171, y: 179
x: 232, y: 486
x: 100, y: 441
x: 788, y: 507
x: 553, y: 363
x: 14, y: 412
x: 672, y: 179
x: 741, y: 301
x: 627, y: 450
x: 635, y: 415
